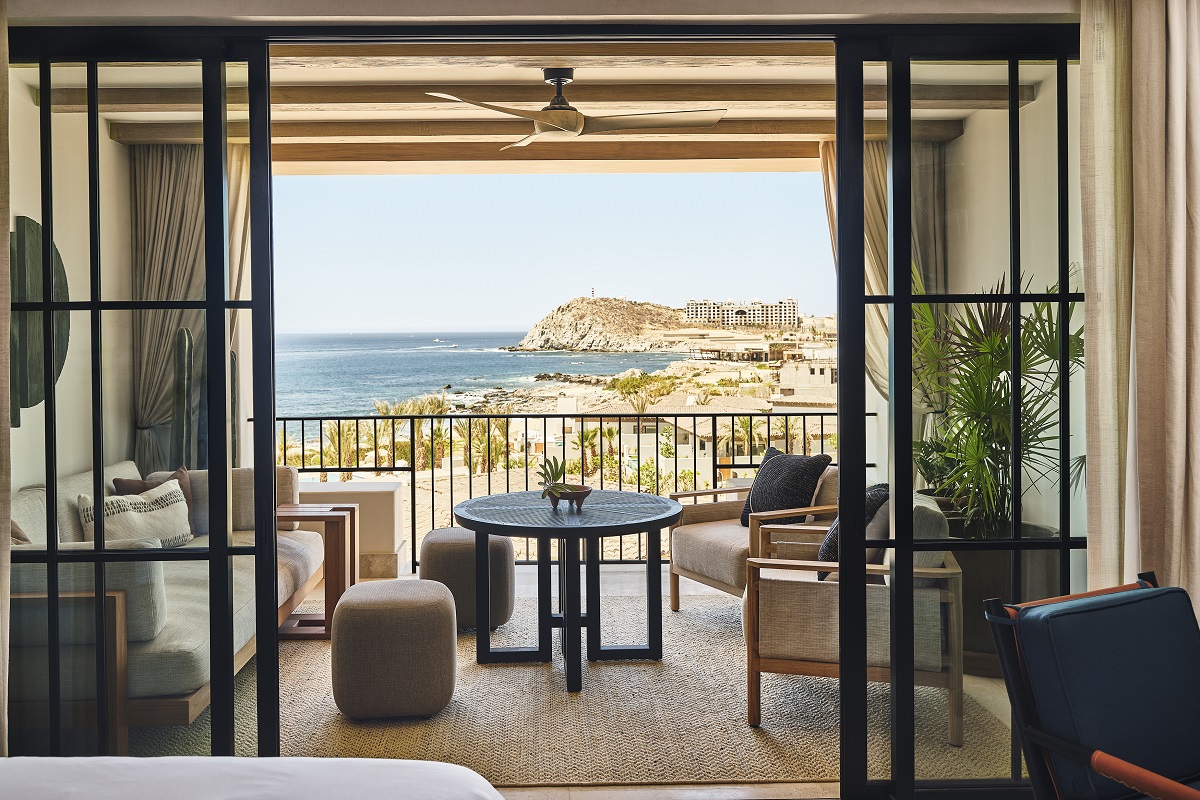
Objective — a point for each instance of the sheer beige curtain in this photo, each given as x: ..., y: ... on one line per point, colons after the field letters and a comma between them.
x: 928, y: 238
x: 167, y: 198
x: 875, y: 225
x: 5, y: 442
x: 1141, y: 190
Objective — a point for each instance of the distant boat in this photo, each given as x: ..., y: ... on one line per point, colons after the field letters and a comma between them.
x: 437, y: 340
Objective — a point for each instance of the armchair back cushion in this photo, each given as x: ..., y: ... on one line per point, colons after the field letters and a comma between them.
x: 784, y: 481
x: 29, y: 503
x: 928, y: 523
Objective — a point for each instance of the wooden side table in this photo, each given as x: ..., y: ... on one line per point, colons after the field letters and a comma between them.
x: 341, y: 563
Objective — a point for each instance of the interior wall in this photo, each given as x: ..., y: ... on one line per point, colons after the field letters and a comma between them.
x: 978, y: 247
x: 71, y: 235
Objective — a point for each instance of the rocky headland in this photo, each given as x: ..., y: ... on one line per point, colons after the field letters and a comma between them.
x: 605, y: 324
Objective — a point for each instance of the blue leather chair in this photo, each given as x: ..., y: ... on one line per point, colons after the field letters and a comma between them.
x: 1105, y: 690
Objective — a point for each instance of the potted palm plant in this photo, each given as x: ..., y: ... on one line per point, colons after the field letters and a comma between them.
x: 553, y: 474
x: 962, y: 375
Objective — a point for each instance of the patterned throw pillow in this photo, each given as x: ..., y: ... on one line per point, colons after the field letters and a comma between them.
x: 130, y: 486
x: 159, y: 513
x: 877, y: 497
x: 784, y: 481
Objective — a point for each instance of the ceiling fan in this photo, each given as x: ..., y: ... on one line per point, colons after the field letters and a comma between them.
x: 560, y: 120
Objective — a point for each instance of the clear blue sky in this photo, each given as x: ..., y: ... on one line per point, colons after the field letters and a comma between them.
x: 497, y: 252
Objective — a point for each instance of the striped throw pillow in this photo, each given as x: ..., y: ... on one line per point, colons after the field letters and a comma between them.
x: 159, y: 513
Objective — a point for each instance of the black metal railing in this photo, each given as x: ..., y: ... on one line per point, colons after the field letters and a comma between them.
x: 450, y: 457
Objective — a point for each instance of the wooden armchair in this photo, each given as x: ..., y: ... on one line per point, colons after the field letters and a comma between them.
x: 791, y: 622
x: 710, y: 546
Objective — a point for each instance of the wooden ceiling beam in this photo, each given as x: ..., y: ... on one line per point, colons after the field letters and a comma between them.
x: 546, y: 151
x: 582, y: 55
x: 501, y: 130
x: 614, y: 96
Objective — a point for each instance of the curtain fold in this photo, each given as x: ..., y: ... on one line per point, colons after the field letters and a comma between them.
x: 928, y: 240
x: 167, y: 199
x: 5, y: 411
x: 875, y: 226
x: 1106, y: 176
x: 1166, y: 289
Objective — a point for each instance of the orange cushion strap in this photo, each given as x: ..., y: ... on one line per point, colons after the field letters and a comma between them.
x: 1141, y: 780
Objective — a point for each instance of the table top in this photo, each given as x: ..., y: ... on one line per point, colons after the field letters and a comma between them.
x: 604, y: 513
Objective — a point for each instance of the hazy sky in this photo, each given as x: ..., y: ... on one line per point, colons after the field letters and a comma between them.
x: 497, y: 252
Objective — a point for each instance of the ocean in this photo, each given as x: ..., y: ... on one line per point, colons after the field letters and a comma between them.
x: 332, y: 374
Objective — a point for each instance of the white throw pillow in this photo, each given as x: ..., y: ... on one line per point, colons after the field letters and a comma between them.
x: 159, y: 513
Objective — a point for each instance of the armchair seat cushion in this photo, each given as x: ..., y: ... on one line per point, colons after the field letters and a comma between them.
x: 717, y: 549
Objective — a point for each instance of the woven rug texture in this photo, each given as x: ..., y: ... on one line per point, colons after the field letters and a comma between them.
x: 681, y: 720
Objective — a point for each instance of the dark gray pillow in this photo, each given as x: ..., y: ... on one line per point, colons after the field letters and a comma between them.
x: 876, y: 499
x: 784, y: 481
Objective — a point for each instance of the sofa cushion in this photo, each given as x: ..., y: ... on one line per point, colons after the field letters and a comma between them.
x: 784, y: 481
x: 142, y: 582
x: 716, y: 549
x: 241, y: 496
x: 69, y: 488
x: 128, y: 486
x: 16, y: 534
x: 159, y: 513
x: 29, y: 511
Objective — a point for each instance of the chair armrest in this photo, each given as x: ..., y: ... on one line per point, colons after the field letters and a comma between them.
x: 799, y: 533
x: 739, y: 490
x: 1140, y: 779
x: 806, y: 511
x: 755, y: 564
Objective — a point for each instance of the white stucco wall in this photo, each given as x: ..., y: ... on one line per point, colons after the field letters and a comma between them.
x: 71, y: 235
x: 977, y: 198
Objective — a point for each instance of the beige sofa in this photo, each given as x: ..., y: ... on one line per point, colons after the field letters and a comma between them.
x: 160, y: 666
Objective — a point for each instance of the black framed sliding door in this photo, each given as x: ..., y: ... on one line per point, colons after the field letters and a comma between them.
x: 142, y: 342
x: 959, y: 304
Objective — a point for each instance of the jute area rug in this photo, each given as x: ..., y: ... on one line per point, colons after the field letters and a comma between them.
x: 681, y: 720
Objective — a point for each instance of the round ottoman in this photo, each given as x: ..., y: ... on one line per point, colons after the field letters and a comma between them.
x: 394, y: 647
x: 448, y: 556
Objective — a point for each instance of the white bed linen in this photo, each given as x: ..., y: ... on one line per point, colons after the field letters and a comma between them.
x: 197, y: 778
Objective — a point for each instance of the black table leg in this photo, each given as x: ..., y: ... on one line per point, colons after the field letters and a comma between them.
x: 592, y: 572
x: 545, y: 601
x: 483, y: 599
x: 569, y: 565
x: 484, y: 652
x: 653, y: 647
x: 654, y: 592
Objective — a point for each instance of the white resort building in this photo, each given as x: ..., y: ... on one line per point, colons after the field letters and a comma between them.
x: 781, y: 314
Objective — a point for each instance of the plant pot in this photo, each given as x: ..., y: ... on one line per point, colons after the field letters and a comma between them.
x: 987, y: 574
x: 573, y: 498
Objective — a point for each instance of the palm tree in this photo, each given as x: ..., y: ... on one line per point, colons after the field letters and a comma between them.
x: 290, y: 454
x: 341, y: 446
x: 746, y: 431
x: 610, y: 436
x: 585, y: 440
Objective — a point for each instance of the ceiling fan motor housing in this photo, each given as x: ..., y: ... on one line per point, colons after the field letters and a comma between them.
x: 558, y: 77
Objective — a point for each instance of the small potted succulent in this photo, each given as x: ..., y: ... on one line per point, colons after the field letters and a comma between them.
x: 554, y: 484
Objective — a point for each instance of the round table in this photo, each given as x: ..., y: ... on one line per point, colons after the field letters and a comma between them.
x: 604, y: 513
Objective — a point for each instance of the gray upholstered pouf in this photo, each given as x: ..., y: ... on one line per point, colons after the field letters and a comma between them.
x: 393, y: 649
x: 448, y: 556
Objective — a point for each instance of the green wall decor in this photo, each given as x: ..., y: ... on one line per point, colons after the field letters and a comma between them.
x: 27, y: 349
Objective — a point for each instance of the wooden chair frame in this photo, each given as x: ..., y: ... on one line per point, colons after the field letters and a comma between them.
x: 947, y: 578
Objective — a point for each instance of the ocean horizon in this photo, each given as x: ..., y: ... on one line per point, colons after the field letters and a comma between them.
x: 330, y: 374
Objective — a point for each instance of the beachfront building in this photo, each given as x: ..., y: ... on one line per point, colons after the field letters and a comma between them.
x: 756, y: 314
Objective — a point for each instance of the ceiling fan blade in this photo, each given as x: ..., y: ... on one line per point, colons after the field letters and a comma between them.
x: 700, y: 118
x: 551, y: 118
x: 522, y: 142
